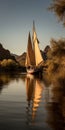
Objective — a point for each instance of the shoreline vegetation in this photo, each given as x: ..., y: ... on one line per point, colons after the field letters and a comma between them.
x: 8, y: 62
x: 56, y: 60
x: 9, y: 66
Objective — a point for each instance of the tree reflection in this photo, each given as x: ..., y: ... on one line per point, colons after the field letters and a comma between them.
x: 56, y: 108
x: 7, y: 78
x: 4, y: 80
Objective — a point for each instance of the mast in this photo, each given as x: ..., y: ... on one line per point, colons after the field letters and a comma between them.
x: 38, y: 56
x: 30, y: 53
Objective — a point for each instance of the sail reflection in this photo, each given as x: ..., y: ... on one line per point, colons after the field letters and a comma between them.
x: 34, y: 89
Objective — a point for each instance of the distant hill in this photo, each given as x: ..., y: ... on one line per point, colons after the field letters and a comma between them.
x: 44, y: 52
x: 5, y: 54
x: 15, y: 55
x: 8, y: 62
x: 21, y: 59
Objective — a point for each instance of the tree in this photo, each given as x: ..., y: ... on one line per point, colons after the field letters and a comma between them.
x: 58, y: 6
x: 56, y: 59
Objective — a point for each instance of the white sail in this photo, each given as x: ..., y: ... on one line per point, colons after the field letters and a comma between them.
x: 38, y: 56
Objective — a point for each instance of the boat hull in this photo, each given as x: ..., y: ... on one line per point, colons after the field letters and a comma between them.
x: 35, y: 70
x: 30, y: 71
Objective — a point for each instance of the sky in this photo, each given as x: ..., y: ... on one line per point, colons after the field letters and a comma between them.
x: 16, y: 20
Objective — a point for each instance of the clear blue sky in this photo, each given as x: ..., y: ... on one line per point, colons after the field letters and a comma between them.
x: 16, y: 20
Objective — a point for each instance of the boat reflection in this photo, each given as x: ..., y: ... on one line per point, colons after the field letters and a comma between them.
x: 34, y: 89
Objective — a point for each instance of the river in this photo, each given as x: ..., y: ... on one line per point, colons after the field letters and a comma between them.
x: 27, y: 103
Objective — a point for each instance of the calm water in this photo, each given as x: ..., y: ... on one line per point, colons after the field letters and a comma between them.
x: 26, y: 103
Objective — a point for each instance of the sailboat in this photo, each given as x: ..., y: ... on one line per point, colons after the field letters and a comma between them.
x: 34, y: 58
